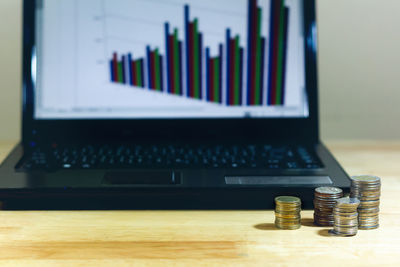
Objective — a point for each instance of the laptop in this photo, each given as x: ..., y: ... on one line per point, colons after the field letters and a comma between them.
x: 174, y: 104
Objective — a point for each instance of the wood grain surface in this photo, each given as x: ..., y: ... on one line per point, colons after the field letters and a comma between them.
x: 204, y: 238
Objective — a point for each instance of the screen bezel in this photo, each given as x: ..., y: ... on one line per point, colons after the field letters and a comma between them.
x: 65, y: 130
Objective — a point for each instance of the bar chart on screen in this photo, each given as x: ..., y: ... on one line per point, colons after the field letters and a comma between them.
x: 179, y: 58
x: 187, y: 67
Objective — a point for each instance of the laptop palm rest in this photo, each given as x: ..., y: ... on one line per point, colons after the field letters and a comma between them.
x: 278, y: 180
x: 141, y: 178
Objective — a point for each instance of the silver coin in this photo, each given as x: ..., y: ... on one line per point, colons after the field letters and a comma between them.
x: 348, y: 201
x: 328, y: 190
x: 366, y: 179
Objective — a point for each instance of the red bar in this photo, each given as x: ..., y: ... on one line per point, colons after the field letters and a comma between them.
x: 115, y: 67
x: 212, y: 79
x: 253, y: 53
x: 191, y: 59
x: 232, y: 72
x: 133, y: 68
x: 153, y: 69
x: 275, y: 44
x: 171, y: 63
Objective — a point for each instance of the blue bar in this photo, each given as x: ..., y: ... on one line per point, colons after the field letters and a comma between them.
x: 208, y: 90
x: 142, y: 67
x: 228, y: 63
x: 249, y: 33
x: 271, y: 49
x: 168, y: 57
x: 186, y: 23
x: 130, y: 69
x: 112, y: 71
x: 123, y: 63
x: 149, y: 67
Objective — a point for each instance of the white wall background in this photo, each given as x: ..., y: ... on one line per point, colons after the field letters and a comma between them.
x: 10, y: 59
x: 359, y: 69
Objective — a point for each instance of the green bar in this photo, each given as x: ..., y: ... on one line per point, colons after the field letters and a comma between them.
x: 280, y: 55
x: 216, y: 79
x: 138, y: 73
x: 237, y: 72
x: 196, y: 60
x: 157, y: 68
x: 120, y: 72
x: 176, y: 63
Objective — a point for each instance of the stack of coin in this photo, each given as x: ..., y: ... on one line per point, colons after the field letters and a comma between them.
x: 368, y: 190
x: 287, y: 212
x: 346, y: 217
x: 324, y: 202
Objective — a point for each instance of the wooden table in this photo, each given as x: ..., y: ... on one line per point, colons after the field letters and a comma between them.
x: 197, y: 238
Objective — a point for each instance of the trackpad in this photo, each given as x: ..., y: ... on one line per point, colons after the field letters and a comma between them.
x: 277, y: 180
x: 141, y: 178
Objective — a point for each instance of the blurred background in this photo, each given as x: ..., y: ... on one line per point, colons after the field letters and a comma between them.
x: 359, y: 69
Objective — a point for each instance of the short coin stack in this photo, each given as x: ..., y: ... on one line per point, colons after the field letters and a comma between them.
x: 324, y: 202
x: 287, y: 212
x: 368, y: 190
x: 346, y: 217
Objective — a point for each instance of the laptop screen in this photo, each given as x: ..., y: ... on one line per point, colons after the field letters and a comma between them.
x: 169, y: 59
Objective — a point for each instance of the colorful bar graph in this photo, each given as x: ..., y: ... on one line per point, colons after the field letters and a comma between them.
x: 187, y: 65
x: 214, y: 76
x: 284, y: 61
x: 127, y: 70
x: 173, y: 61
x: 255, y: 56
x: 233, y: 70
x: 155, y: 69
x: 277, y: 52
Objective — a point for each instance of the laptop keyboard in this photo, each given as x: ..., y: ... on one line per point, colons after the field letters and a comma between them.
x: 171, y: 156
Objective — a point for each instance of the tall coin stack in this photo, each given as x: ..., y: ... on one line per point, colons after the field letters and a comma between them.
x: 287, y: 212
x: 346, y: 217
x: 368, y: 190
x: 324, y: 202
